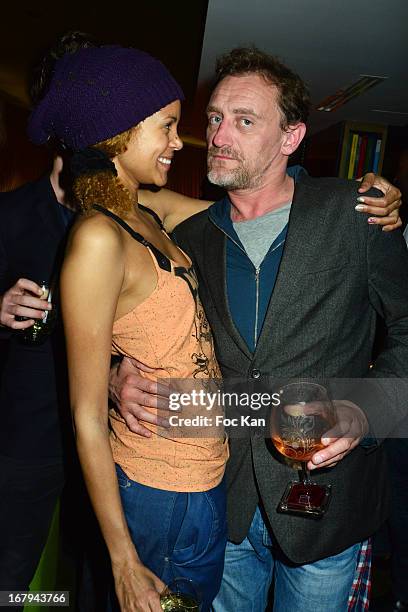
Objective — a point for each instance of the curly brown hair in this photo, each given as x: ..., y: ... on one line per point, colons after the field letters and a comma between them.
x: 293, y: 95
x: 104, y: 188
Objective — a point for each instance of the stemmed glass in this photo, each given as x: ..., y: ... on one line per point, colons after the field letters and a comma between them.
x: 305, y: 413
x: 181, y: 595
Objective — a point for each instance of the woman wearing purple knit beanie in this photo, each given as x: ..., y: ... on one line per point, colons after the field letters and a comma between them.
x: 128, y: 289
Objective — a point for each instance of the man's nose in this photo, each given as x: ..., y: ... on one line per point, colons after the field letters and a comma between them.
x: 221, y: 137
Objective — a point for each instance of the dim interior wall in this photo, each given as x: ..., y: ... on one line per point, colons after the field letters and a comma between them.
x: 20, y: 160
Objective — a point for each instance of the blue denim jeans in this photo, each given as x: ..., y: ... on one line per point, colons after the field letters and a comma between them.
x: 251, y: 565
x: 178, y: 534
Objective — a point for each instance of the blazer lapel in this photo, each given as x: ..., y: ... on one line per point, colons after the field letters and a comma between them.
x: 303, y: 232
x: 215, y: 276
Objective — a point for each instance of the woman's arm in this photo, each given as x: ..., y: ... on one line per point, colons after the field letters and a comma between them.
x: 91, y: 282
x: 172, y: 207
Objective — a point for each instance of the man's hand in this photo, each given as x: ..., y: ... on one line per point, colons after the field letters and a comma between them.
x: 386, y: 207
x: 133, y: 394
x: 22, y: 300
x: 348, y: 432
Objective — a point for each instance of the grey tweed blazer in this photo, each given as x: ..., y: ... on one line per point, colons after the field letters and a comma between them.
x: 337, y: 275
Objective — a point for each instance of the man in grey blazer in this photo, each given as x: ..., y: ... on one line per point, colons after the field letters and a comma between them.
x: 292, y: 280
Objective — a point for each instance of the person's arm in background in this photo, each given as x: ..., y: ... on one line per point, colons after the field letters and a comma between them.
x: 91, y: 282
x: 20, y: 299
x: 173, y: 208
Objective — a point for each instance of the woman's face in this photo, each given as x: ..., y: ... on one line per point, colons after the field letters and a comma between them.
x: 150, y: 150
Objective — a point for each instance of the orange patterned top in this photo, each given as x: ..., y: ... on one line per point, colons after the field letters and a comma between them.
x: 170, y: 333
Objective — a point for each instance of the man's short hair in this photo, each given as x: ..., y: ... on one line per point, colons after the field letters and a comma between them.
x: 293, y: 95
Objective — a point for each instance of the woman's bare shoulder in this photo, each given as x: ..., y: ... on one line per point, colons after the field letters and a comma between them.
x: 95, y: 230
x: 94, y: 252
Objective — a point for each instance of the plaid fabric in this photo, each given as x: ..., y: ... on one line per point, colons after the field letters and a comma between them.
x: 359, y: 598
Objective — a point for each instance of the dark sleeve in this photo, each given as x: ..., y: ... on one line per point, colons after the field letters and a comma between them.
x: 384, y: 394
x: 3, y: 265
x: 4, y: 331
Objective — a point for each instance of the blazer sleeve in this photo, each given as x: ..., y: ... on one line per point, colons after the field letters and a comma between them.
x: 3, y: 267
x: 5, y: 332
x: 383, y: 395
x: 5, y: 253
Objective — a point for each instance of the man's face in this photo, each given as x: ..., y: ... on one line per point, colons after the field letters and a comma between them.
x: 244, y: 135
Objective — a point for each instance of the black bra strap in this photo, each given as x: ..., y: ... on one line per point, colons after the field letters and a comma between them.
x: 153, y: 214
x: 162, y: 260
x: 122, y: 223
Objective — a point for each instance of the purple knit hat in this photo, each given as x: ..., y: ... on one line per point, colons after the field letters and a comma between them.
x: 99, y: 92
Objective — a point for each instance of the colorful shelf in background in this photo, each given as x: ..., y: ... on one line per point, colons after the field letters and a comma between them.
x: 363, y: 149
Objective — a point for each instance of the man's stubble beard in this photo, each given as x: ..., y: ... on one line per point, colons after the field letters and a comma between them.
x: 237, y: 178
x: 231, y: 179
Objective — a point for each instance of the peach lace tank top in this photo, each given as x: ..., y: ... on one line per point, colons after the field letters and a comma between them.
x: 168, y: 332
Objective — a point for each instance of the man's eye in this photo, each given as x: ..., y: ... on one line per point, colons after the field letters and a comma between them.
x: 214, y: 120
x: 246, y: 122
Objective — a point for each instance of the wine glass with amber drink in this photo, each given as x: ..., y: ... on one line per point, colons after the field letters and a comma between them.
x: 181, y: 595
x: 304, y: 415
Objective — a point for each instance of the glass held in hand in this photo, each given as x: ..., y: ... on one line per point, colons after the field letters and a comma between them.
x: 41, y: 328
x: 305, y: 413
x: 181, y: 595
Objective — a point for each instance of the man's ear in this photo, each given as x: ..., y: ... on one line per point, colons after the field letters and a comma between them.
x: 292, y: 137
